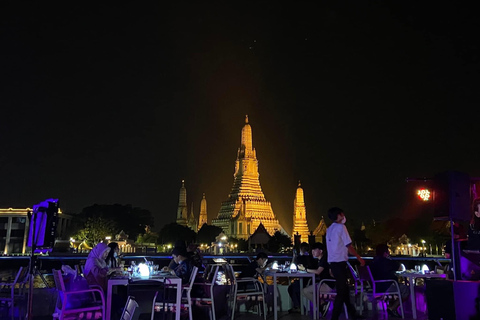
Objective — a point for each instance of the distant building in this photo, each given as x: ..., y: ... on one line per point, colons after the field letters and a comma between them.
x: 182, y: 212
x: 14, y: 227
x: 192, y: 222
x: 203, y: 218
x: 246, y: 207
x: 320, y: 231
x: 300, y: 225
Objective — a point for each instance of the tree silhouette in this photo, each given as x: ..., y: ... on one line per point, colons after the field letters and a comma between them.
x: 207, y: 233
x: 174, y: 232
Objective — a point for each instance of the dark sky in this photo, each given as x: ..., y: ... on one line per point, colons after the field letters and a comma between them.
x: 117, y: 103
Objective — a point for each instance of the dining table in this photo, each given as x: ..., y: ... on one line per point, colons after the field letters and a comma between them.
x: 411, y: 275
x: 301, y: 275
x: 124, y: 280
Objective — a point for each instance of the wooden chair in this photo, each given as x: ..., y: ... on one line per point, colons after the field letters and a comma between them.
x: 369, y: 288
x: 186, y: 297
x: 208, y: 286
x: 13, y: 292
x: 66, y: 298
x: 252, y: 288
x: 129, y: 310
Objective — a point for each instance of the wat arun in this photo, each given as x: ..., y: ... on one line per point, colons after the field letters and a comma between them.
x: 246, y: 207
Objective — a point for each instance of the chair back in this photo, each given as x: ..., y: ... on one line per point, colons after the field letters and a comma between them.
x: 229, y: 274
x: 57, y: 277
x: 365, y: 275
x: 193, y: 275
x: 129, y: 310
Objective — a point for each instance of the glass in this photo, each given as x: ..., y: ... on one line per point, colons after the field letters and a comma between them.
x: 418, y: 269
x: 287, y: 265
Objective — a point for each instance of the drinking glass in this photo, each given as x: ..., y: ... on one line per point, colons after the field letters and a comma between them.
x: 417, y: 269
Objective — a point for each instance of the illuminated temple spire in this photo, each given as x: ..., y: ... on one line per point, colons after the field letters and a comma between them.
x: 192, y: 222
x: 182, y: 212
x: 203, y: 218
x: 300, y: 225
x: 246, y: 206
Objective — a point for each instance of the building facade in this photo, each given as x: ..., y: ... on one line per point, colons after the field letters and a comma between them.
x: 246, y: 206
x: 14, y: 228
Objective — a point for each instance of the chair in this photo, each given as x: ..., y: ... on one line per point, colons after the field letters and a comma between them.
x: 356, y: 286
x: 255, y: 289
x: 186, y: 297
x: 68, y: 306
x: 14, y: 291
x: 208, y: 286
x: 327, y: 295
x: 129, y: 310
x: 369, y: 287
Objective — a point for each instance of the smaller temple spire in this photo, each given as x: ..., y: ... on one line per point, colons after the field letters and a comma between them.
x: 246, y: 118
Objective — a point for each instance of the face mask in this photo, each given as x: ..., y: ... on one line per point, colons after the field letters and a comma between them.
x: 343, y: 220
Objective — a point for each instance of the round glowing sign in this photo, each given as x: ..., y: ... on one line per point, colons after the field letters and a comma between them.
x: 423, y: 194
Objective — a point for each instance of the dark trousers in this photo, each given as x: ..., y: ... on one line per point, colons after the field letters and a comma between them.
x: 340, y: 273
x: 294, y: 292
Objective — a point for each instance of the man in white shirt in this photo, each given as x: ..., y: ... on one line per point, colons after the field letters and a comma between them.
x: 339, y: 245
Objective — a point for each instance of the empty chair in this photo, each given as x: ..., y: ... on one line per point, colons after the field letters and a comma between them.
x: 130, y: 308
x: 14, y: 291
x: 253, y: 288
x: 186, y: 297
x: 208, y: 286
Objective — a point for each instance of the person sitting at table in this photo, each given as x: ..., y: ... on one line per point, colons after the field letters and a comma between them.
x: 303, y: 257
x: 384, y: 268
x: 179, y: 244
x: 474, y: 227
x: 112, y: 256
x: 257, y: 266
x: 195, y: 257
x: 318, y: 265
x: 96, y: 272
x: 183, y: 267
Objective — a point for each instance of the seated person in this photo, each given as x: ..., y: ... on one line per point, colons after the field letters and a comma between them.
x: 474, y: 227
x: 257, y: 266
x: 96, y: 270
x: 384, y: 268
x: 183, y: 267
x: 179, y: 244
x: 195, y: 257
x: 112, y: 257
x: 319, y: 266
x: 303, y: 258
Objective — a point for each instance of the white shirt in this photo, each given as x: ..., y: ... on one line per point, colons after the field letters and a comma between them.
x: 337, y: 241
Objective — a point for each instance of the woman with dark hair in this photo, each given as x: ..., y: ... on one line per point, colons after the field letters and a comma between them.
x: 474, y: 227
x: 112, y: 256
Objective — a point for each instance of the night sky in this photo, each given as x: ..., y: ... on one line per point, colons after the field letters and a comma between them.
x: 118, y: 102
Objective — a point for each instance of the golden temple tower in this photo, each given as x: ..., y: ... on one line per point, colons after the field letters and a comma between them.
x: 182, y: 212
x: 246, y: 206
x: 203, y: 218
x: 192, y: 222
x: 300, y: 224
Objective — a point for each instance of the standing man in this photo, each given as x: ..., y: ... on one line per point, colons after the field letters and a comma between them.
x: 339, y: 245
